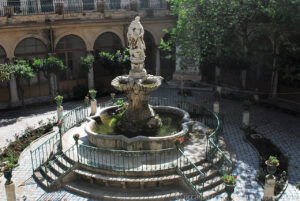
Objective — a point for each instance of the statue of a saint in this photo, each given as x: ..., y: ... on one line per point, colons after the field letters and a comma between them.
x: 135, y: 37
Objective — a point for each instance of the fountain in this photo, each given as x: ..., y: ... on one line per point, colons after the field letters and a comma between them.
x: 138, y: 84
x: 137, y: 120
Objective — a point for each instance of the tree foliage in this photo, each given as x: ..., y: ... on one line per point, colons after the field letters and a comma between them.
x: 48, y: 66
x: 117, y: 63
x: 206, y: 29
x: 86, y: 63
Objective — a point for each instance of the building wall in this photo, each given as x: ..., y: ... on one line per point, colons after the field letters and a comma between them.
x: 87, y: 26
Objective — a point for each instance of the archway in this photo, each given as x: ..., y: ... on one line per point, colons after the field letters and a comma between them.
x: 107, y: 42
x: 30, y: 48
x: 4, y: 89
x: 70, y: 49
x: 167, y: 66
x: 150, y: 53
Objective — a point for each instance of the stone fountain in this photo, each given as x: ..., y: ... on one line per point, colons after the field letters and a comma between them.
x: 139, y: 123
x: 138, y: 84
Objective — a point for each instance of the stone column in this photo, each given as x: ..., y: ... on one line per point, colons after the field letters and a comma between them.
x: 10, y: 192
x: 244, y: 76
x: 246, y: 118
x: 91, y: 78
x: 93, y: 106
x: 14, y: 97
x: 217, y: 74
x: 178, y: 60
x: 269, y: 187
x: 60, y: 112
x: 157, y: 61
x: 216, y: 107
x: 52, y: 85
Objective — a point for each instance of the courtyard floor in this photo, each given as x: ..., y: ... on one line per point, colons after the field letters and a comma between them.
x: 283, y: 129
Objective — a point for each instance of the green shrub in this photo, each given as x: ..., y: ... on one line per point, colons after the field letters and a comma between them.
x: 229, y: 179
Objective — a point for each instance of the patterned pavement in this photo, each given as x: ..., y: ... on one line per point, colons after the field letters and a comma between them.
x: 281, y: 128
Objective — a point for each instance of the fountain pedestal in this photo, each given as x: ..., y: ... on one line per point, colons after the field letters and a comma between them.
x: 137, y: 85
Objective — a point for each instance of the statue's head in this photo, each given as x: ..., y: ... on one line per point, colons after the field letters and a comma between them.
x: 137, y: 18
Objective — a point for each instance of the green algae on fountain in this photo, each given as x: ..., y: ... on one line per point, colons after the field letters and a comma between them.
x: 169, y: 126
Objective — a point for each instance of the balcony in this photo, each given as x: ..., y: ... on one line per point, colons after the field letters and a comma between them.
x: 29, y: 7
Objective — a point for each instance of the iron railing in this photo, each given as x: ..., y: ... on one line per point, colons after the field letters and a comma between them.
x: 29, y: 7
x: 44, y: 152
x: 128, y: 161
x: 73, y: 118
x: 198, y: 176
x: 137, y: 161
x: 71, y: 154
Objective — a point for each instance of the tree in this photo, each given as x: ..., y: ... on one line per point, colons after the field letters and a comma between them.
x: 201, y: 28
x: 281, y: 18
x: 50, y: 67
x: 22, y: 72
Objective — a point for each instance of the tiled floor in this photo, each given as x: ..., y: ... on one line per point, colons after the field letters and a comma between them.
x: 282, y: 129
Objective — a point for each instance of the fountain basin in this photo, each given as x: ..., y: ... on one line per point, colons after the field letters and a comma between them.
x: 121, y: 142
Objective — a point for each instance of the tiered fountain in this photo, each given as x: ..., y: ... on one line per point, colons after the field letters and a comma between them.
x: 140, y: 121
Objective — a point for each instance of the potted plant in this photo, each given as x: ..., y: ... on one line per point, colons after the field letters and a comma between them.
x: 178, y: 141
x: 86, y: 100
x: 272, y: 164
x: 76, y: 137
x: 92, y: 93
x: 230, y: 183
x: 7, y: 170
x: 59, y: 100
x: 298, y: 186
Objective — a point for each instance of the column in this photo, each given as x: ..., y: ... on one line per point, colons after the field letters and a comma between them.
x: 91, y: 80
x: 14, y: 98
x: 157, y: 61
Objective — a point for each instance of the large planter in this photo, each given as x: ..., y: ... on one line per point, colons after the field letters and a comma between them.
x: 229, y: 189
x: 271, y: 168
x: 8, y: 175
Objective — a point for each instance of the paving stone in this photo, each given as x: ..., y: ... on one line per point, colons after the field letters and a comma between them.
x: 281, y: 128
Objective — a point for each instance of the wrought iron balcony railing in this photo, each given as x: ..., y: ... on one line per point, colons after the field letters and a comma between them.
x: 29, y: 7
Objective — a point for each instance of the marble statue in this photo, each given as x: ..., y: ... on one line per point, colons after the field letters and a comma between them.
x: 136, y: 42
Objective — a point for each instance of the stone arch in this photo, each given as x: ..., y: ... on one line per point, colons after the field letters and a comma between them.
x: 2, y: 55
x: 31, y: 46
x: 150, y: 52
x: 23, y: 37
x: 108, y: 40
x: 70, y: 48
x: 114, y: 31
x: 88, y: 45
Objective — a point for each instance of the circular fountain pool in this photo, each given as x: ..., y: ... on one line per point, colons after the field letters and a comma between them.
x: 103, y: 135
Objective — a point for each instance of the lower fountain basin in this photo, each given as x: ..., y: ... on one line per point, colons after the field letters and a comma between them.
x: 121, y: 142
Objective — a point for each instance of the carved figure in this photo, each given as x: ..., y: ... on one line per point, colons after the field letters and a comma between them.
x: 135, y: 37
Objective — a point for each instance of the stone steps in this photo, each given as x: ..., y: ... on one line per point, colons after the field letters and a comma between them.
x: 96, y: 191
x: 126, y: 181
x: 46, y: 176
